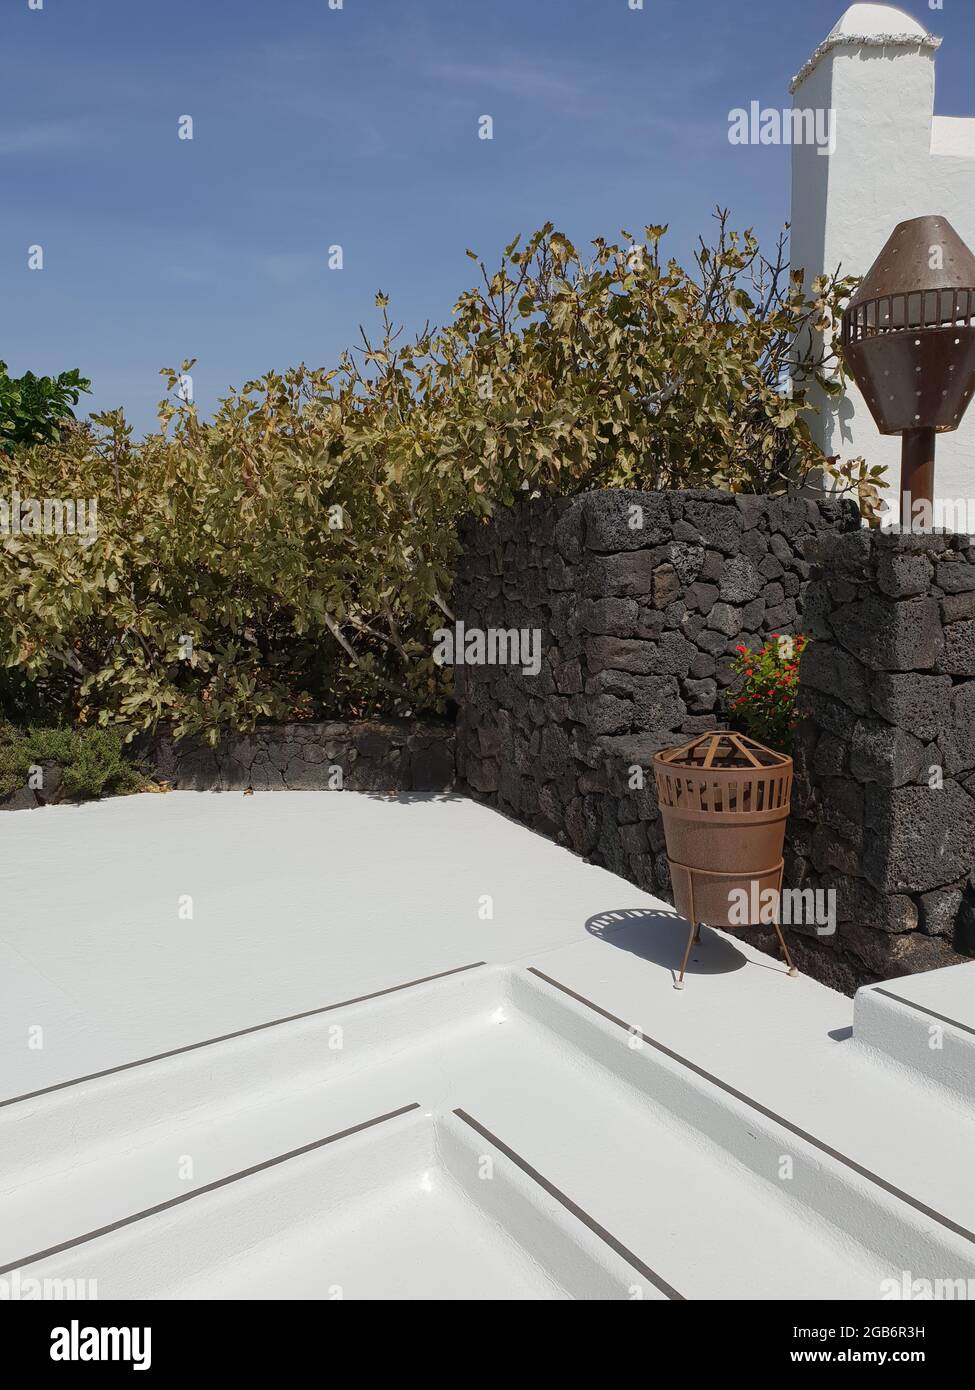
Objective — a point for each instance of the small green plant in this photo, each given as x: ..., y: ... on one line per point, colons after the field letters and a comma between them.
x: 33, y: 409
x: 764, y: 705
x: 93, y: 760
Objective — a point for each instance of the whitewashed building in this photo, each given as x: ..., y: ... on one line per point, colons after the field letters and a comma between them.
x: 890, y: 158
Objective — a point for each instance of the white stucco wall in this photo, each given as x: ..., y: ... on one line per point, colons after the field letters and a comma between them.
x: 893, y: 160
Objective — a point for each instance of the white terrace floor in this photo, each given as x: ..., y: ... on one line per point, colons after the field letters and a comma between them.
x: 471, y: 1103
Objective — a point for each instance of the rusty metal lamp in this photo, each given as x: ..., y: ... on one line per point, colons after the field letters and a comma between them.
x: 908, y: 340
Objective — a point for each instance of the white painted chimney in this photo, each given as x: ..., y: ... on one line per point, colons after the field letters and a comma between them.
x: 893, y: 160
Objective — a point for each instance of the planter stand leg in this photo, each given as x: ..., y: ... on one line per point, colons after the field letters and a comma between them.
x: 778, y: 926
x: 692, y: 936
x: 785, y: 949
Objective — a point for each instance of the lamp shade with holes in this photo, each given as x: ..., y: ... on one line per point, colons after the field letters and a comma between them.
x: 908, y: 339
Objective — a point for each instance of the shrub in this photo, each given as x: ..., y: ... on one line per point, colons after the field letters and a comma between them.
x: 292, y: 557
x: 94, y: 760
x: 33, y: 409
x: 765, y: 703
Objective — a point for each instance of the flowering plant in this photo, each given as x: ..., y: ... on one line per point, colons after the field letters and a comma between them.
x: 764, y: 704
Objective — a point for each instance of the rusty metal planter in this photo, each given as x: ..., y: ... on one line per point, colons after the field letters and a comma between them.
x: 725, y: 801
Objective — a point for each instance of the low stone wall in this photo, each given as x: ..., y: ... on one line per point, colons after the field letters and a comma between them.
x: 44, y: 788
x: 883, y: 809
x: 371, y: 756
x: 639, y: 601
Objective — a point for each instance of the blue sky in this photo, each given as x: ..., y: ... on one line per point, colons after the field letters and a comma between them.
x: 358, y: 127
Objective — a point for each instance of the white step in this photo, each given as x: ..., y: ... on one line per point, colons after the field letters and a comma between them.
x: 925, y: 1023
x: 540, y: 1149
x: 379, y: 1214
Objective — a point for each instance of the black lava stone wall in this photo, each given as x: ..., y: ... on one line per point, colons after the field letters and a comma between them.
x: 640, y: 600
x: 372, y: 756
x: 883, y: 808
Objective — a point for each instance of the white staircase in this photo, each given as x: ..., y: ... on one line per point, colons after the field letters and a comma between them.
x: 493, y: 1133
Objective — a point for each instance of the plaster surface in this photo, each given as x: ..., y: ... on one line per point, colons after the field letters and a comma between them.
x: 298, y: 902
x: 950, y: 992
x: 730, y: 1140
x: 927, y: 1024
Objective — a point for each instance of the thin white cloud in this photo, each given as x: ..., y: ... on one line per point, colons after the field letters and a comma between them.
x: 45, y: 137
x: 288, y: 267
x: 514, y: 75
x: 197, y: 276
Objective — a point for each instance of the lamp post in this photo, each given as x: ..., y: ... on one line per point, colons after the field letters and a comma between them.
x: 908, y: 339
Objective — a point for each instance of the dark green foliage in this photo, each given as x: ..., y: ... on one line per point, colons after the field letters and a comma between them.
x: 94, y: 760
x: 33, y: 408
